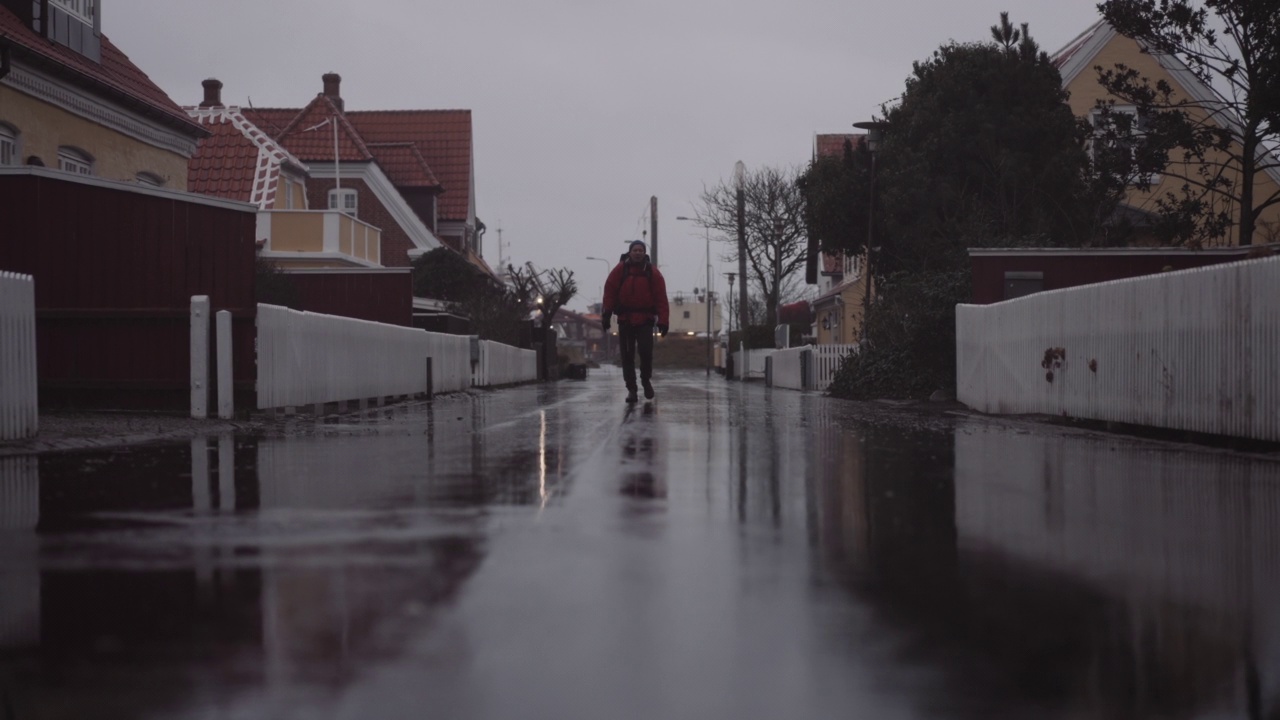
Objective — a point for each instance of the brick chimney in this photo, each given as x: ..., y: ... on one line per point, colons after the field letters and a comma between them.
x: 331, y: 83
x: 212, y: 93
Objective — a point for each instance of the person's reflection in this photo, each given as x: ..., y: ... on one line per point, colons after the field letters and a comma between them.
x: 640, y: 454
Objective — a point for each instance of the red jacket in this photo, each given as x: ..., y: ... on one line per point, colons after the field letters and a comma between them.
x: 636, y: 293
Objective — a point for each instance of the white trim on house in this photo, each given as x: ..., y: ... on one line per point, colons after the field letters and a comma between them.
x: 1101, y: 34
x: 314, y: 256
x: 391, y: 199
x: 127, y: 186
x: 98, y: 110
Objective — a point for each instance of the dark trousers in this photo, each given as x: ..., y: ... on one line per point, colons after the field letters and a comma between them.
x: 633, y: 338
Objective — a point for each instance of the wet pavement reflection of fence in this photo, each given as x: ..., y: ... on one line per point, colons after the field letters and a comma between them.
x: 726, y: 551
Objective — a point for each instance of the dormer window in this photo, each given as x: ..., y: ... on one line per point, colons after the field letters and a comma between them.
x: 82, y: 9
x: 74, y: 161
x: 344, y: 200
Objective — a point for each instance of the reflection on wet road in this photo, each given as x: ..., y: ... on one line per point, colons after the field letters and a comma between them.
x: 726, y: 551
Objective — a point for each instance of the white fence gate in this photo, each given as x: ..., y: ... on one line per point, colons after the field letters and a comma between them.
x: 19, y: 415
x: 826, y: 361
x: 1189, y: 350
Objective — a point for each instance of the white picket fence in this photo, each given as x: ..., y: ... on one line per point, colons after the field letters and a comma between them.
x: 19, y: 414
x: 826, y: 361
x: 810, y: 367
x: 1190, y: 350
x: 309, y: 358
x: 501, y: 364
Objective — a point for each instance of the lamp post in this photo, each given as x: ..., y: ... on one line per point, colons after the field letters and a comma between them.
x: 875, y: 133
x: 740, y: 182
x: 731, y: 276
x: 707, y: 232
x: 607, y: 268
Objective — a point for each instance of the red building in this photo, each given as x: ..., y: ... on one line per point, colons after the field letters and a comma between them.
x: 1007, y: 273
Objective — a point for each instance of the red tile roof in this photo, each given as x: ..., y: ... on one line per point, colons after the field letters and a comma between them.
x: 238, y: 161
x: 404, y: 164
x: 116, y: 76
x: 444, y: 139
x: 441, y: 138
x: 833, y: 144
x: 310, y: 134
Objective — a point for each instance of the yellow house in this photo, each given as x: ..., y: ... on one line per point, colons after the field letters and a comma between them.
x: 842, y: 282
x: 71, y: 100
x: 1102, y: 46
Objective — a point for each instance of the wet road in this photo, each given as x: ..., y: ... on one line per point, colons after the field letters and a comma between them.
x: 724, y: 552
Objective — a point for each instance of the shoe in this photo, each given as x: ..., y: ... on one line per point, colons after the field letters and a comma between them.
x: 631, y: 395
x: 648, y: 389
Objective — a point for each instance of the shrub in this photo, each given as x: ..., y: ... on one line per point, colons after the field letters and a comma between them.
x: 912, y: 347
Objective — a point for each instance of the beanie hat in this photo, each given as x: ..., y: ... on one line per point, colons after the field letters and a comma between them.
x: 635, y: 243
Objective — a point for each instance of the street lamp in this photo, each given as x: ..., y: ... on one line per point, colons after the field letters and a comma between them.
x: 731, y: 276
x: 707, y: 231
x: 875, y: 133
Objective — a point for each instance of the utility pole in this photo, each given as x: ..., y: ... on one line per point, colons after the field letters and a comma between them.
x: 653, y: 229
x: 740, y: 180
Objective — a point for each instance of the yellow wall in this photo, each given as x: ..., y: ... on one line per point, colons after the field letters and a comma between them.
x: 849, y: 329
x: 297, y: 231
x: 296, y: 187
x: 1085, y: 93
x: 43, y: 128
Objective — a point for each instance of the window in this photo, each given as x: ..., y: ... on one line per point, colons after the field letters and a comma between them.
x: 288, y: 194
x: 686, y: 314
x: 344, y: 200
x: 83, y: 9
x: 1128, y: 128
x: 8, y: 145
x: 74, y: 161
x: 151, y: 179
x: 1020, y: 283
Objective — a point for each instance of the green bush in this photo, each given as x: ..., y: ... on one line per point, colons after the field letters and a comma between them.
x: 912, y: 347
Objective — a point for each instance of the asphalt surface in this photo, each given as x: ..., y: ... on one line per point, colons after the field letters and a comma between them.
x: 726, y: 551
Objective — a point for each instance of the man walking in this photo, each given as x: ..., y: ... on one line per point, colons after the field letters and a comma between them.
x: 637, y: 294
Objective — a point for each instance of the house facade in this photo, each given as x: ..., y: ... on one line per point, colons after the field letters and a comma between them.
x: 406, y: 176
x: 842, y: 280
x: 690, y: 312
x: 1101, y: 46
x: 71, y: 100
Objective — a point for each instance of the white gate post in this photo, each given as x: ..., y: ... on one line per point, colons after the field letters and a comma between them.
x: 226, y: 394
x: 200, y: 356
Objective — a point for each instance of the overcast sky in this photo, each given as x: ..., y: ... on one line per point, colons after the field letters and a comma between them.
x: 581, y: 109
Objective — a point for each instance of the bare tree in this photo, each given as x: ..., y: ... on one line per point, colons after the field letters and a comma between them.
x: 543, y: 290
x: 775, y: 232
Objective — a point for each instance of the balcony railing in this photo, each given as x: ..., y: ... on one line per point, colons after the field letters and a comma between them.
x: 328, y: 234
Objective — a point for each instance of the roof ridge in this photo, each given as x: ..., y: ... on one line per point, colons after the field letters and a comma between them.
x: 404, y: 111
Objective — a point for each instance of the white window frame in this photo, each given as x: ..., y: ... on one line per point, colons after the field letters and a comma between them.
x: 74, y: 160
x: 82, y: 9
x: 349, y: 204
x: 288, y: 193
x: 9, y: 145
x: 1136, y: 133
